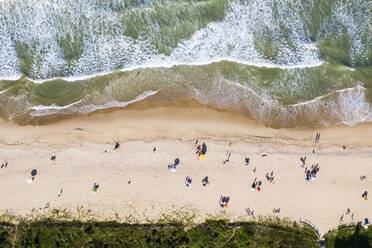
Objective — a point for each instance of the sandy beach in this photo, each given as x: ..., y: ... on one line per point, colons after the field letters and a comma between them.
x: 80, y: 143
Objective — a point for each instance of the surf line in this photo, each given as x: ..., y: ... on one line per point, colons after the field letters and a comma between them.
x: 160, y: 63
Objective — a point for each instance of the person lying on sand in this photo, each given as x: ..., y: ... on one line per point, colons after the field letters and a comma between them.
x: 117, y: 145
x: 224, y: 201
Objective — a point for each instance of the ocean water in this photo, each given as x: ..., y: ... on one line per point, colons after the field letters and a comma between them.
x: 292, y: 63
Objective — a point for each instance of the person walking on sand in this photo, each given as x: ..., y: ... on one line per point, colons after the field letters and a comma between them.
x: 117, y: 145
x: 254, y: 185
x: 205, y: 181
x: 259, y: 186
x: 188, y: 182
x: 228, y: 154
x: 198, y: 149
x: 303, y: 161
x: 95, y: 187
x: 4, y: 164
x: 246, y: 161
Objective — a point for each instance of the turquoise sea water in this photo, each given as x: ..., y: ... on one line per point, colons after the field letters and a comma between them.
x: 284, y: 63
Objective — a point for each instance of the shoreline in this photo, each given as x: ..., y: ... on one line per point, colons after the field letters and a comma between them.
x: 80, y: 144
x: 186, y: 120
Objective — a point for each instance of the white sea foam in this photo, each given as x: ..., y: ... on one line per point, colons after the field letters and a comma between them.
x: 231, y: 39
x: 3, y: 91
x: 164, y: 65
x: 42, y: 110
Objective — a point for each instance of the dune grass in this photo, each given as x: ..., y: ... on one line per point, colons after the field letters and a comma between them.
x: 349, y: 237
x: 211, y: 233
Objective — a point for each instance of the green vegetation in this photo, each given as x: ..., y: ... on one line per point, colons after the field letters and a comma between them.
x: 349, y: 237
x: 60, y: 232
x: 212, y: 233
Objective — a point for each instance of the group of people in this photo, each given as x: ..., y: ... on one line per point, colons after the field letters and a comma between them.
x: 256, y: 185
x: 201, y: 150
x: 188, y: 181
x: 276, y: 210
x: 311, y: 174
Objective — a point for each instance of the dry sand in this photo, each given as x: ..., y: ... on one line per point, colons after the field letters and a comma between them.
x: 80, y: 144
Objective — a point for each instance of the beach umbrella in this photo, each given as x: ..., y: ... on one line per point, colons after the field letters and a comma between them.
x: 33, y: 172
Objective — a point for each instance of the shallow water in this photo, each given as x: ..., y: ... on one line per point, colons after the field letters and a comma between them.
x: 284, y: 63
